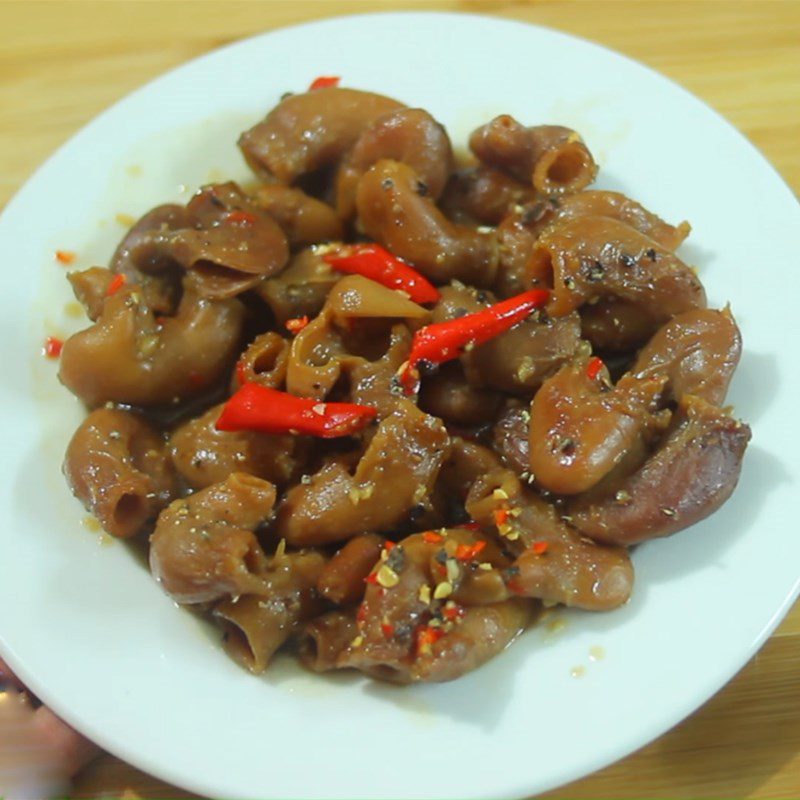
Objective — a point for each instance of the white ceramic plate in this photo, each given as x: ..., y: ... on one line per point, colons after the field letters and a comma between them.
x: 93, y: 635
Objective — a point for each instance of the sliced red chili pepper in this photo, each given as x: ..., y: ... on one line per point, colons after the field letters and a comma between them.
x: 361, y: 614
x: 387, y: 545
x: 372, y: 578
x: 466, y: 552
x: 297, y: 324
x: 324, y: 82
x: 471, y: 525
x: 52, y: 347
x: 65, y: 256
x: 241, y: 217
x: 258, y: 408
x: 379, y: 265
x: 500, y: 516
x: 444, y: 341
x: 453, y: 612
x: 117, y: 282
x: 539, y: 547
x: 427, y: 636
x: 431, y: 537
x: 593, y: 368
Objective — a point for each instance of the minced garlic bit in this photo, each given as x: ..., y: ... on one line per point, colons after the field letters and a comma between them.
x: 512, y: 535
x: 387, y: 577
x: 319, y: 408
x: 435, y: 623
x: 668, y: 512
x: 280, y: 550
x: 358, y: 641
x: 485, y: 565
x: 442, y: 590
x: 622, y: 497
x: 452, y: 570
x: 500, y: 494
x: 125, y: 219
x: 359, y: 493
x: 425, y: 594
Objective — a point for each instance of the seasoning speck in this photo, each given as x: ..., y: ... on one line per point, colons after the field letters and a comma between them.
x: 578, y: 672
x: 596, y: 653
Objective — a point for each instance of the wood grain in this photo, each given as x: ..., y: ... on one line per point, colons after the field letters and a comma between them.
x: 61, y: 63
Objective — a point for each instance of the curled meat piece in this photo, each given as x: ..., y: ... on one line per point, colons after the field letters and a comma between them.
x: 447, y: 394
x: 342, y: 579
x: 510, y: 438
x: 203, y: 455
x: 324, y: 639
x: 348, y: 333
x: 596, y: 257
x: 552, y: 158
x: 305, y: 132
x: 544, y: 214
x: 691, y: 474
x: 304, y: 219
x: 143, y: 256
x: 301, y: 289
x: 230, y: 244
x: 128, y: 357
x: 698, y: 351
x: 395, y: 474
x: 482, y: 196
x: 554, y: 563
x: 409, y: 135
x: 203, y: 547
x: 393, y: 212
x: 264, y: 361
x: 581, y: 428
x: 256, y: 625
x: 116, y: 466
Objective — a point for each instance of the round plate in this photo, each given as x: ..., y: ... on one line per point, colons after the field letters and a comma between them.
x: 88, y: 629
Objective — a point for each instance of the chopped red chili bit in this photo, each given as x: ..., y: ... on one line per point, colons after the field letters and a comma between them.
x: 324, y: 82
x: 259, y: 408
x: 471, y: 525
x: 378, y: 264
x: 500, y: 516
x: 444, y: 341
x: 361, y: 614
x: 65, y: 256
x: 466, y: 552
x: 515, y: 587
x: 427, y: 636
x: 388, y: 545
x: 297, y: 324
x: 594, y: 367
x: 372, y: 578
x: 52, y: 347
x: 117, y: 282
x: 539, y: 547
x: 453, y: 612
x: 431, y: 537
x: 241, y: 217
x: 387, y: 629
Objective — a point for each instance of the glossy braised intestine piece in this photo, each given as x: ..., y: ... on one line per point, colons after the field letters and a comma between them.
x: 553, y: 159
x: 615, y: 325
x: 324, y: 639
x: 129, y: 357
x: 409, y: 135
x: 392, y: 211
x: 342, y: 579
x: 116, y: 466
x: 598, y: 257
x: 447, y: 394
x: 91, y: 287
x: 510, y: 438
x: 554, y: 563
x: 395, y: 474
x: 256, y: 625
x: 143, y: 256
x: 264, y: 361
x: 691, y: 474
x: 301, y: 289
x: 204, y: 547
x: 395, y: 640
x: 518, y: 360
x: 331, y: 345
x: 582, y: 427
x: 305, y: 132
x: 482, y: 196
x: 304, y: 219
x: 698, y: 351
x: 203, y: 455
x: 230, y: 244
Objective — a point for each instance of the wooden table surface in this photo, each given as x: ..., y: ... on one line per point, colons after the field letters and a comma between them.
x: 61, y: 63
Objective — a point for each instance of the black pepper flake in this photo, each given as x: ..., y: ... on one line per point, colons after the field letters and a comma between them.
x: 286, y: 94
x: 441, y: 556
x: 627, y: 260
x: 510, y: 573
x: 396, y: 560
x: 566, y: 446
x: 533, y: 213
x: 415, y: 512
x: 426, y: 367
x: 387, y: 183
x: 422, y: 188
x: 651, y: 254
x: 482, y: 297
x: 403, y: 631
x: 594, y: 271
x: 215, y: 201
x: 460, y: 312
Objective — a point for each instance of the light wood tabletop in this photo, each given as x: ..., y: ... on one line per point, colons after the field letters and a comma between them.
x: 61, y: 63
